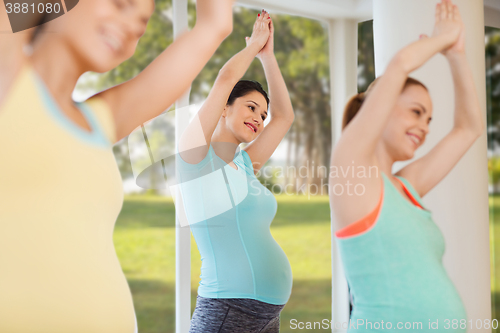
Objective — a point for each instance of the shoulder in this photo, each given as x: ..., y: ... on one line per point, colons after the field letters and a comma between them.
x: 247, y: 161
x: 184, y: 166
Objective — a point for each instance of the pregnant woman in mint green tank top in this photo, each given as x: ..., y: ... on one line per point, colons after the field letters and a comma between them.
x: 246, y: 278
x: 392, y: 251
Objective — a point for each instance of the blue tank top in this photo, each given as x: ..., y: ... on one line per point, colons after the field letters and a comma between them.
x: 395, y: 271
x: 230, y: 212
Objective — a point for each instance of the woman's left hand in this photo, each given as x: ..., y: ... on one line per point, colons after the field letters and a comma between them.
x: 459, y: 46
x: 268, y: 49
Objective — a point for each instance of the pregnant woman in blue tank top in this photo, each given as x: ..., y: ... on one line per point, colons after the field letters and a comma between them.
x: 246, y: 278
x: 390, y: 247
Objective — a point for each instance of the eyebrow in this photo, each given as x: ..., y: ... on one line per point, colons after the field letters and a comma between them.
x: 254, y: 103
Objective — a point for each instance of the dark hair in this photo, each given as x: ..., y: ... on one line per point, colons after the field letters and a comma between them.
x: 244, y: 87
x: 354, y: 104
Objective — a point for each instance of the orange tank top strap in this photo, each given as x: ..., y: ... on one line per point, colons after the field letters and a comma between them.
x: 364, y: 223
x: 415, y: 202
x: 369, y: 220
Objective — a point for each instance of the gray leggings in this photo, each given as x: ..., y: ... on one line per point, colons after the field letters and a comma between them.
x: 235, y: 315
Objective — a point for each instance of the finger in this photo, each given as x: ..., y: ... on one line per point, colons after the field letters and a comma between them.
x: 423, y: 36
x: 449, y: 8
x: 456, y: 13
x: 444, y: 11
x: 438, y: 12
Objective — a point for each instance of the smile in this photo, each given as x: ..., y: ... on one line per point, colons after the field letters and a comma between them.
x: 414, y: 138
x: 115, y: 44
x: 252, y: 127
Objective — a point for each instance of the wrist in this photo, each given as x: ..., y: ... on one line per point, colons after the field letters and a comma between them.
x: 453, y: 56
x: 267, y: 57
x: 254, y: 48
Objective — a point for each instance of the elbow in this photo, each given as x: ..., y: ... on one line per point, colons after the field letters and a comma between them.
x: 479, y: 129
x: 401, y: 62
x: 222, y: 29
x: 226, y: 74
x: 226, y: 29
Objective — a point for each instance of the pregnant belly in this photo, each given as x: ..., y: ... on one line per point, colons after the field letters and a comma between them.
x: 272, y: 270
x: 437, y: 307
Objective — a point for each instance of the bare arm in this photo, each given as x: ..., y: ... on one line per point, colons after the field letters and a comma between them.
x: 170, y: 74
x: 281, y: 110
x: 12, y: 56
x: 199, y: 132
x: 429, y: 170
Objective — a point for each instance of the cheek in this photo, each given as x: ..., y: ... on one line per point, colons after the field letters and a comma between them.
x: 130, y: 49
x: 101, y: 9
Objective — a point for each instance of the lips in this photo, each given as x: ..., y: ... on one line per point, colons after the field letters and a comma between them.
x: 252, y: 127
x: 112, y: 40
x: 414, y: 138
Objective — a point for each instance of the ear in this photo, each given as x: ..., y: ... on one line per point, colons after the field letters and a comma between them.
x: 224, y: 112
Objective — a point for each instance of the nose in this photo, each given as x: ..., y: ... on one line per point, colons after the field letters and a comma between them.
x: 424, y: 127
x: 256, y: 121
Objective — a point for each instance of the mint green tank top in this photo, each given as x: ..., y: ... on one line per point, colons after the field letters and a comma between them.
x: 230, y: 212
x: 395, y: 271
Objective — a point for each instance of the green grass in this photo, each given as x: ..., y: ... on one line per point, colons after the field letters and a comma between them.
x: 144, y: 239
x: 494, y: 203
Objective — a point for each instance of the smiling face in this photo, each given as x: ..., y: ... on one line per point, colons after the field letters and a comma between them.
x: 406, y: 130
x: 245, y: 116
x: 101, y: 34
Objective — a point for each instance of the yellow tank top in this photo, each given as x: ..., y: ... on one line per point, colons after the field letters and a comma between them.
x: 60, y: 195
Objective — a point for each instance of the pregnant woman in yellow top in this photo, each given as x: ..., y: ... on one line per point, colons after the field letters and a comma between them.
x: 60, y: 188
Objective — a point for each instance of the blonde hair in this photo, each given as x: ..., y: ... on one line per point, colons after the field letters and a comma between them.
x: 354, y: 104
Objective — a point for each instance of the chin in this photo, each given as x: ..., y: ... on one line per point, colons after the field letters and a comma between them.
x: 408, y: 156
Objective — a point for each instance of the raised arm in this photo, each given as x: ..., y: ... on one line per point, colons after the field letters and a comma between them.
x: 199, y: 132
x: 429, y: 170
x: 376, y: 109
x: 161, y: 83
x: 12, y: 56
x: 356, y: 147
x: 280, y: 109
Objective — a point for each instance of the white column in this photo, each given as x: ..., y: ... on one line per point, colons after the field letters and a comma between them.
x: 343, y: 35
x: 460, y: 202
x: 182, y: 234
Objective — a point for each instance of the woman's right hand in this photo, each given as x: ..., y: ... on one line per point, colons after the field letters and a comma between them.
x: 448, y: 24
x: 261, y: 31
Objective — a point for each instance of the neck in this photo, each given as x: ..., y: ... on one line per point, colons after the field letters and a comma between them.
x: 60, y: 73
x: 384, y: 160
x: 222, y: 134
